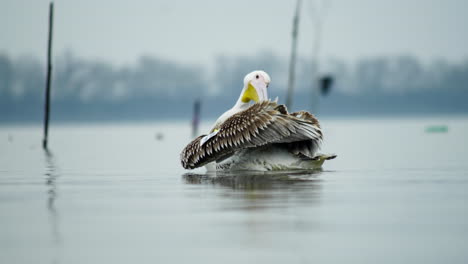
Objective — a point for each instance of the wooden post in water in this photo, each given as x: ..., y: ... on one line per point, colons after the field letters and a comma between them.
x: 48, y: 80
x: 319, y: 9
x: 196, y: 117
x: 292, y: 60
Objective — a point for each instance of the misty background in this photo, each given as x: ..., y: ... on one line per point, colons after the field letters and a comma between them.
x: 150, y: 60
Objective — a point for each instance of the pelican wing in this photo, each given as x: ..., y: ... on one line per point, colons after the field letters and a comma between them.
x: 261, y: 124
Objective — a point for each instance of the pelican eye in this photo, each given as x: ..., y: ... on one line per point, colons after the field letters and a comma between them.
x: 256, y: 76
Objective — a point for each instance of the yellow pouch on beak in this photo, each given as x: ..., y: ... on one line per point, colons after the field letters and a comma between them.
x: 250, y: 94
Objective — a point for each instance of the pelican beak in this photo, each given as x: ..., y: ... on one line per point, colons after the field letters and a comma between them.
x: 250, y: 94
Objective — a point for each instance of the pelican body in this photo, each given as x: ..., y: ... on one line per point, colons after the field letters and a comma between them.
x: 260, y: 136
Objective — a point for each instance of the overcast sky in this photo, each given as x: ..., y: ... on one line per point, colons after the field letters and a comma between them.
x: 197, y: 31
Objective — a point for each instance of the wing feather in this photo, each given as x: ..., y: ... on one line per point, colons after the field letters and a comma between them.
x: 261, y: 124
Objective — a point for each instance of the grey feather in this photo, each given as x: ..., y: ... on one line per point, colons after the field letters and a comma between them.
x: 261, y: 124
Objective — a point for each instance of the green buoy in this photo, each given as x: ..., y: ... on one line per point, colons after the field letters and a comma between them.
x: 437, y: 129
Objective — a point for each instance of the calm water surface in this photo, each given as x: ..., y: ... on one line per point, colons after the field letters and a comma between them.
x: 117, y: 194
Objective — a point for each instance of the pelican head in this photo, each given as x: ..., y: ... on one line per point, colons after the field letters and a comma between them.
x: 255, y: 87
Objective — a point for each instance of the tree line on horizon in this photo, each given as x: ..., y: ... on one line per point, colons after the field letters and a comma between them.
x: 91, y: 89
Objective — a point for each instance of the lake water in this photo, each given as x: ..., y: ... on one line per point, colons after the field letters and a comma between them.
x: 117, y: 194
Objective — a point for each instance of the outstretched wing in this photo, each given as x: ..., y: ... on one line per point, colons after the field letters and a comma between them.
x: 261, y: 124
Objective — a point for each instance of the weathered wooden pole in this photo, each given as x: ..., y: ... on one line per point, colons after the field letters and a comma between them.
x: 292, y: 60
x: 196, y: 117
x: 319, y: 9
x: 49, y: 75
x: 315, y: 97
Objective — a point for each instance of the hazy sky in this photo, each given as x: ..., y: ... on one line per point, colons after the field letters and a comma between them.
x: 197, y: 31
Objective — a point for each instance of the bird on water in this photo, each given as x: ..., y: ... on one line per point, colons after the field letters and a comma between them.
x: 258, y: 134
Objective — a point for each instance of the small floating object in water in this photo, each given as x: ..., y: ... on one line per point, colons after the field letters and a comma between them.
x: 159, y: 136
x: 437, y: 129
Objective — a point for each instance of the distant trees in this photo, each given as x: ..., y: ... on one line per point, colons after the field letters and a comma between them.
x: 162, y: 84
x: 95, y: 81
x: 19, y: 79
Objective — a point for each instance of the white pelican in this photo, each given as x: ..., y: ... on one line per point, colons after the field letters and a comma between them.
x: 259, y: 136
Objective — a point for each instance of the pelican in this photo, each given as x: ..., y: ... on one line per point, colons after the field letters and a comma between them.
x: 260, y: 136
